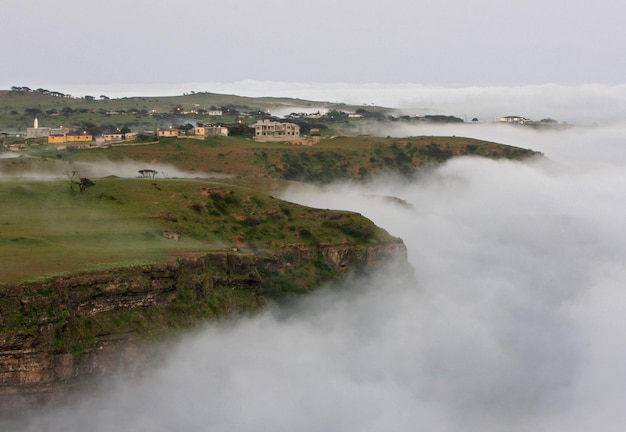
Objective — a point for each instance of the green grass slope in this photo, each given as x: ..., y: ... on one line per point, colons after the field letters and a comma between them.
x: 324, y: 161
x: 46, y: 228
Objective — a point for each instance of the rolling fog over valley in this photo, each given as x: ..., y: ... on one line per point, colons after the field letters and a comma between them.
x: 576, y: 145
x: 124, y: 168
x: 582, y: 104
x: 510, y: 316
x: 505, y: 311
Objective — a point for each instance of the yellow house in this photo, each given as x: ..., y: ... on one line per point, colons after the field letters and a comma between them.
x: 79, y: 138
x: 169, y: 132
x: 52, y: 139
x: 55, y: 139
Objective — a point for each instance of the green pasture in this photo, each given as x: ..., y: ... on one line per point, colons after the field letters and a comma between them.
x: 327, y: 160
x: 46, y: 228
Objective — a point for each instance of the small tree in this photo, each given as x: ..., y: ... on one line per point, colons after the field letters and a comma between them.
x: 33, y: 112
x: 91, y: 128
x: 83, y: 182
x: 147, y: 173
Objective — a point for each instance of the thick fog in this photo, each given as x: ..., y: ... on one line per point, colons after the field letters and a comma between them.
x: 585, y: 104
x: 125, y: 168
x: 576, y: 145
x: 510, y: 318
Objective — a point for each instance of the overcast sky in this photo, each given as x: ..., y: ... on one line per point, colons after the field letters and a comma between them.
x: 444, y: 42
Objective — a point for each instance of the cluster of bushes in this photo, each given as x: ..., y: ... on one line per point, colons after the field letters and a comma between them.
x: 317, y: 167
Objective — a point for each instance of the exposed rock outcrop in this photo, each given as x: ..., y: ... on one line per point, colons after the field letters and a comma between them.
x: 68, y: 328
x: 58, y: 333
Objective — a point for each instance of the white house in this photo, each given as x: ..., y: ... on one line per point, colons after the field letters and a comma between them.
x: 514, y: 119
x: 211, y: 131
x: 267, y: 130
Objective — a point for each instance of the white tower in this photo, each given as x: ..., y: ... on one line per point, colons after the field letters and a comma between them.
x: 36, y: 123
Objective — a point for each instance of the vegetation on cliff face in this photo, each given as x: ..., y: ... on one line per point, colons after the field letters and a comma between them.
x: 69, y: 313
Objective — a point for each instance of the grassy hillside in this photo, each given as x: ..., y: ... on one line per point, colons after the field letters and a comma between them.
x: 138, y: 113
x: 329, y: 159
x: 46, y: 228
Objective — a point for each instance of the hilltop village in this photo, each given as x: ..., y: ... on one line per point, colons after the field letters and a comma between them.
x: 262, y: 130
x: 41, y: 116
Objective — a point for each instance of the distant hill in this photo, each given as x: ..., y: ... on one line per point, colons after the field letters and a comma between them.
x: 19, y: 108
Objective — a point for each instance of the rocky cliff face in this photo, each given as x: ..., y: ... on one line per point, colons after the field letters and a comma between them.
x: 71, y: 327
x: 59, y: 333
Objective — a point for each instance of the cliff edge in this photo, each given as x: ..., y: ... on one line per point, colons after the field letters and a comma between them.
x: 60, y: 333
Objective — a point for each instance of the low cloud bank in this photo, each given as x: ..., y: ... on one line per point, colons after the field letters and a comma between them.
x: 579, y: 146
x: 125, y: 169
x: 131, y: 169
x: 581, y: 104
x: 512, y: 319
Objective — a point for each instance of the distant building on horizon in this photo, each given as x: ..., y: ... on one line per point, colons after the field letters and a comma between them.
x: 206, y: 131
x: 513, y: 119
x: 170, y: 132
x: 116, y: 136
x: 39, y: 132
x: 119, y: 136
x: 68, y: 138
x: 267, y: 130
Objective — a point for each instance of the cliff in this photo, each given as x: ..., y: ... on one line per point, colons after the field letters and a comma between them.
x: 60, y: 333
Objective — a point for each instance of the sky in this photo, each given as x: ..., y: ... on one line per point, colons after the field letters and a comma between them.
x: 64, y: 43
